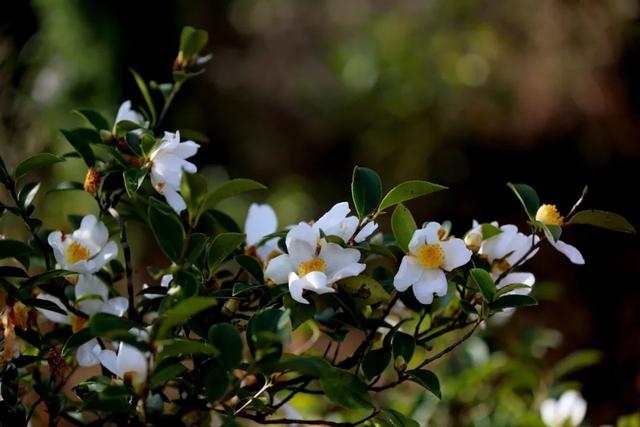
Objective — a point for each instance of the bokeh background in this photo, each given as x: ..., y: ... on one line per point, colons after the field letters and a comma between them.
x: 466, y: 93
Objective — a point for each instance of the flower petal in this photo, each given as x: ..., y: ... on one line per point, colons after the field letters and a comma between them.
x: 569, y: 251
x: 130, y: 359
x: 432, y: 281
x: 53, y: 316
x: 109, y: 360
x: 366, y: 231
x: 455, y: 252
x: 261, y: 221
x: 116, y: 306
x: 279, y: 268
x: 333, y: 217
x: 90, y: 286
x: 175, y: 200
x: 409, y: 273
x: 88, y: 353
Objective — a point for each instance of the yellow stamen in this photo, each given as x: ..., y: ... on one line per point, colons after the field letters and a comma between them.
x: 549, y: 215
x: 76, y: 252
x: 430, y: 256
x: 306, y: 267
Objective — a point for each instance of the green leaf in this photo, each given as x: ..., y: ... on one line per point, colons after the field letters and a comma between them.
x: 403, y: 226
x: 67, y: 186
x: 391, y: 418
x: 13, y: 248
x: 182, y: 312
x: 528, y: 197
x: 403, y: 345
x: 576, y: 361
x: 252, y: 266
x: 4, y: 173
x: 508, y: 301
x: 231, y: 188
x: 44, y: 305
x: 79, y: 141
x: 345, y: 389
x: 426, y: 379
x: 375, y: 362
x: 133, y: 179
x: 144, y: 90
x: 215, y: 383
x: 602, y: 219
x: 125, y: 126
x: 489, y: 231
x: 195, y: 246
x: 223, y: 245
x: 34, y: 162
x: 299, y: 313
x: 166, y: 373
x: 192, y: 41
x: 510, y: 288
x: 408, y: 190
x: 364, y: 289
x: 227, y: 339
x: 105, y: 324
x: 184, y: 346
x: 266, y: 332
x: 28, y: 193
x: 77, y: 339
x: 485, y: 283
x: 167, y: 228
x: 366, y: 190
x: 94, y: 118
x: 193, y: 188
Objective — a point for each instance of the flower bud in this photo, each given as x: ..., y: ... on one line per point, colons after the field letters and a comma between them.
x: 473, y: 240
x: 106, y: 136
x: 92, y: 181
x: 400, y: 364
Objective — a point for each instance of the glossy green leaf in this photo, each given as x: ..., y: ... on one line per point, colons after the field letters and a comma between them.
x: 193, y: 188
x: 133, y: 179
x: 489, y: 231
x: 231, y: 188
x: 485, y: 283
x: 426, y: 379
x: 182, y: 312
x: 364, y: 289
x: 81, y: 143
x: 510, y: 288
x: 166, y: 373
x: 216, y: 382
x: 222, y: 246
x: 67, y: 186
x: 267, y: 330
x: 28, y: 193
x: 35, y: 162
x: 167, y: 228
x: 144, y: 90
x: 602, y: 219
x: 184, y: 346
x: 13, y: 248
x: 508, y: 301
x: 391, y: 418
x: 44, y: 304
x: 403, y: 345
x: 345, y: 389
x: 403, y: 226
x: 366, y: 190
x: 252, y: 266
x: 528, y: 197
x: 195, y: 247
x: 192, y: 41
x: 125, y: 126
x: 94, y: 118
x: 227, y: 339
x: 408, y: 190
x: 375, y: 362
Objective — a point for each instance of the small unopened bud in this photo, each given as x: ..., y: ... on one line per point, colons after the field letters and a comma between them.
x: 179, y: 63
x: 230, y: 307
x: 92, y: 181
x: 400, y: 364
x: 106, y: 136
x: 473, y: 241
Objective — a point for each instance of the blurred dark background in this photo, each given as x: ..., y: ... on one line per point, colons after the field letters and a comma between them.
x: 470, y: 94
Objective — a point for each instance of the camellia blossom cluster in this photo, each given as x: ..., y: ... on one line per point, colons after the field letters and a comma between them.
x: 224, y: 322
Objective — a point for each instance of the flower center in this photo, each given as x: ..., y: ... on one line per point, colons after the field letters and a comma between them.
x: 430, y: 256
x: 76, y: 252
x: 306, y: 267
x: 549, y: 215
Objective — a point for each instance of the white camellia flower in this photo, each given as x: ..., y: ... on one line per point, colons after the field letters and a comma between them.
x: 86, y: 250
x: 261, y: 221
x: 336, y: 222
x: 128, y: 363
x: 568, y: 411
x: 312, y: 263
x: 125, y: 112
x: 167, y: 163
x: 92, y: 296
x: 549, y: 215
x: 428, y: 258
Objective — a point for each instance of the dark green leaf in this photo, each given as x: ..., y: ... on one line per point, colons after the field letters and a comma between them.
x: 426, y: 379
x: 407, y: 191
x: 375, y: 362
x: 403, y: 226
x: 195, y: 246
x: 13, y: 248
x: 167, y: 228
x: 77, y: 339
x: 10, y: 271
x: 602, y: 219
x: 215, y: 383
x: 193, y: 189
x: 391, y: 418
x: 44, y: 304
x: 78, y: 140
x: 227, y: 339
x: 528, y: 197
x: 231, y: 188
x: 507, y: 301
x: 144, y: 90
x: 366, y: 190
x: 105, y: 324
x: 166, y: 373
x: 184, y: 346
x: 192, y: 41
x: 485, y: 283
x: 94, y: 118
x: 28, y: 193
x: 511, y: 287
x: 34, y: 162
x: 299, y: 313
x: 133, y: 179
x: 345, y: 389
x: 183, y: 311
x: 252, y: 266
x: 403, y: 346
x: 125, y: 126
x: 266, y: 332
x: 364, y: 289
x: 223, y: 245
x: 67, y: 185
